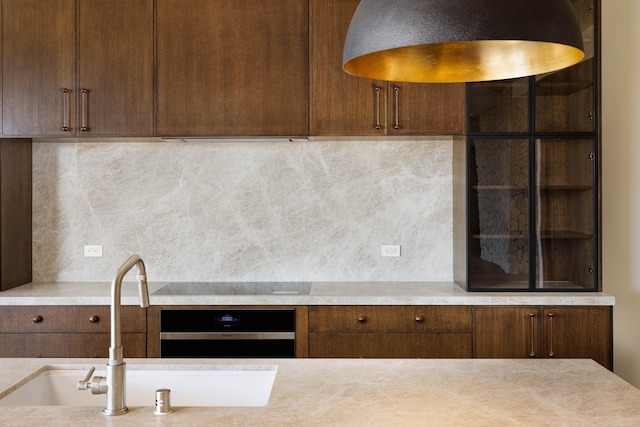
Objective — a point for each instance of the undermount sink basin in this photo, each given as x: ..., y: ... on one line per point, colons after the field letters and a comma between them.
x: 219, y: 385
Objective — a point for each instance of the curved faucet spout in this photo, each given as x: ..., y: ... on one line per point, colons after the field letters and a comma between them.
x: 114, y: 384
x: 115, y: 352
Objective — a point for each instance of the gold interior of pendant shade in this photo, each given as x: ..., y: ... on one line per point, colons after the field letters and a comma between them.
x: 461, y: 40
x: 464, y: 61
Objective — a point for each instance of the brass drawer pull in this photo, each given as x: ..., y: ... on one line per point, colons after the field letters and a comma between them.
x: 419, y: 319
x: 362, y: 319
x: 378, y: 89
x: 551, y: 352
x: 66, y: 113
x: 94, y: 319
x: 396, y: 107
x: 84, y: 125
x: 37, y: 319
x: 532, y: 353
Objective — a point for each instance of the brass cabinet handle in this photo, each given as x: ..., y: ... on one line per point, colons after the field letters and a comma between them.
x: 532, y: 316
x: 396, y: 107
x: 65, y: 110
x: 84, y: 124
x: 37, y: 319
x: 94, y: 319
x: 362, y: 319
x: 419, y: 319
x: 551, y: 352
x: 378, y: 89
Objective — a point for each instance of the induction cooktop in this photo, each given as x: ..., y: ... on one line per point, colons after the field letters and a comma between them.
x: 235, y: 288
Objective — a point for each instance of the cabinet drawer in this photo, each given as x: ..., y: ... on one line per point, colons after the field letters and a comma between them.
x: 41, y: 319
x: 385, y: 345
x: 390, y: 319
x: 69, y: 345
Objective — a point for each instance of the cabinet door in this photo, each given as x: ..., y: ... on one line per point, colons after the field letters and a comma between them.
x: 71, y: 319
x: 506, y: 332
x: 69, y: 345
x: 499, y: 106
x: 115, y: 63
x: 565, y: 100
x: 380, y: 318
x: 38, y: 64
x: 565, y: 214
x: 390, y: 345
x: 339, y: 103
x: 227, y: 67
x: 436, y: 109
x: 390, y: 331
x: 562, y: 332
x: 69, y: 331
x: 578, y: 332
x: 498, y: 204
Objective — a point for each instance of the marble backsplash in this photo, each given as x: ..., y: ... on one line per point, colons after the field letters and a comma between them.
x: 314, y: 210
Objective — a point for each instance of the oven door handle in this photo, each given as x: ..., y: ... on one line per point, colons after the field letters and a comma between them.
x: 227, y: 336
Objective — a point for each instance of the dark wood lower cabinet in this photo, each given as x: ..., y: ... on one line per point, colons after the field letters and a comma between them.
x: 543, y: 332
x: 391, y: 345
x: 61, y: 344
x: 69, y: 331
x: 338, y: 331
x: 390, y: 331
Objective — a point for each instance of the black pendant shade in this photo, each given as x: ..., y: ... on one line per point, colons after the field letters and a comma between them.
x: 461, y: 40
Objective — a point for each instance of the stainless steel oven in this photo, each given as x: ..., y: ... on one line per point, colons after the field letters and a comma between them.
x: 223, y: 333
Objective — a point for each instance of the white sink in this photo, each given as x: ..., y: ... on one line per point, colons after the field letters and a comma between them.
x: 217, y: 385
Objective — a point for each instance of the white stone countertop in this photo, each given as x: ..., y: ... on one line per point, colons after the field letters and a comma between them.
x: 374, y: 392
x: 322, y: 293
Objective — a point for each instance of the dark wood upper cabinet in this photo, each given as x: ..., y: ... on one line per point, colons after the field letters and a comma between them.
x: 80, y: 68
x: 341, y: 104
x: 222, y: 68
x: 232, y: 68
x: 426, y: 108
x: 115, y: 67
x: 38, y: 63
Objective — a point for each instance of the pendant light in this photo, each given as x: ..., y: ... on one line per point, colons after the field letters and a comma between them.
x: 461, y: 40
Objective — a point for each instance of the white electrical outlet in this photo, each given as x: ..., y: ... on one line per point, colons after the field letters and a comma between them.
x: 92, y: 251
x: 390, y: 250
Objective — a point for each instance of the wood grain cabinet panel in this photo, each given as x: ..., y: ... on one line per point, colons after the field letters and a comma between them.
x: 342, y: 104
x: 86, y: 71
x: 68, y: 331
x: 232, y: 68
x: 542, y: 332
x: 59, y: 344
x: 390, y: 331
x: 380, y: 318
x: 115, y: 68
x: 37, y: 66
x: 390, y: 345
x: 15, y: 212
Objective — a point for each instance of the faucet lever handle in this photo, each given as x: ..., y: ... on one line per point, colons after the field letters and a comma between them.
x: 86, y: 382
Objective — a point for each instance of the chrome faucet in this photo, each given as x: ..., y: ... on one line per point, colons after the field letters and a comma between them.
x: 114, y: 384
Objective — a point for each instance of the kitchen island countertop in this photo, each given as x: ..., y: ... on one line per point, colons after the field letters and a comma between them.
x: 376, y: 392
x: 321, y: 293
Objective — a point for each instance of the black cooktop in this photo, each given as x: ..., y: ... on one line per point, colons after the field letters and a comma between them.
x: 235, y: 288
